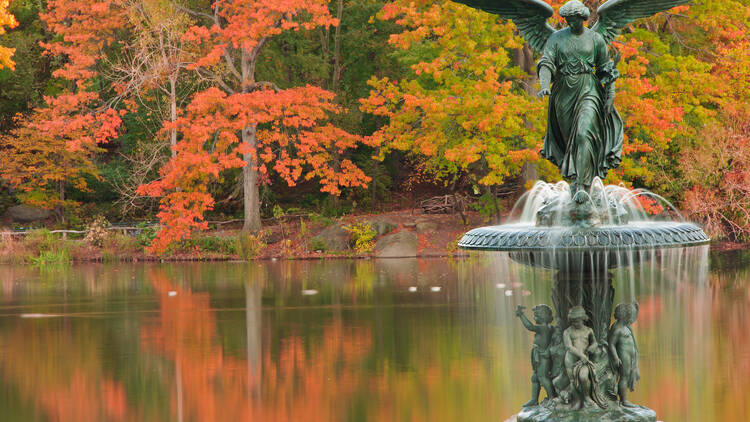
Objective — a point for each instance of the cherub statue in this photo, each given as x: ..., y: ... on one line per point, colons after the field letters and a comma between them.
x: 580, y: 342
x: 584, y: 131
x: 559, y: 377
x: 623, y: 350
x: 540, y: 354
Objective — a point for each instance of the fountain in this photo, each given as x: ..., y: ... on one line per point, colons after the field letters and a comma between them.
x: 586, y: 363
x: 583, y: 248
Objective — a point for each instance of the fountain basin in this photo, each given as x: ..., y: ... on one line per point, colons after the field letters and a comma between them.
x: 528, y: 237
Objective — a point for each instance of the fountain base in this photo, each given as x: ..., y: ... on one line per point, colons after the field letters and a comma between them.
x: 551, y: 413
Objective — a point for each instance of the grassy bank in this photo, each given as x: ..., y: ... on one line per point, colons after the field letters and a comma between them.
x: 286, y: 239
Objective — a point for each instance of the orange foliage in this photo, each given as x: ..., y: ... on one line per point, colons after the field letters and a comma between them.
x: 59, y: 373
x: 214, y: 386
x: 242, y: 122
x: 6, y: 21
x: 54, y: 146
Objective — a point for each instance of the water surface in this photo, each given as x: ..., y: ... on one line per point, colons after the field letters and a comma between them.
x: 344, y: 340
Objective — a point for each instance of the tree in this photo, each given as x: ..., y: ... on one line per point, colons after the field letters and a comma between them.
x: 6, y: 21
x: 52, y: 149
x: 243, y: 122
x: 150, y: 76
x: 464, y: 111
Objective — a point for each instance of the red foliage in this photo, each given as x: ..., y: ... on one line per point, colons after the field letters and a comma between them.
x: 241, y: 122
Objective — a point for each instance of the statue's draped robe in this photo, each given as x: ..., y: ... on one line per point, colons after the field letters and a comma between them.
x: 582, y: 140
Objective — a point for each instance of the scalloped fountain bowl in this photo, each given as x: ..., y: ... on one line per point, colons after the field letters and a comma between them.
x: 611, y: 226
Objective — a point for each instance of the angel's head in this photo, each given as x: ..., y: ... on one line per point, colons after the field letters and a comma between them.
x: 574, y: 13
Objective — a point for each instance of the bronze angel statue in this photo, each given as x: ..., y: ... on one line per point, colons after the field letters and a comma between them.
x: 584, y: 131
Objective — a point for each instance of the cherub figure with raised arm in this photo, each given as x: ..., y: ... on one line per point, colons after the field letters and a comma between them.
x: 623, y: 350
x: 584, y: 131
x: 540, y: 354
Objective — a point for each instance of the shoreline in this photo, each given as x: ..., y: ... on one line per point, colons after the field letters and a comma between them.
x: 398, y: 234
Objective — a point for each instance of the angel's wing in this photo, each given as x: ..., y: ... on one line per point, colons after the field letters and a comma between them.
x: 615, y: 14
x: 530, y: 17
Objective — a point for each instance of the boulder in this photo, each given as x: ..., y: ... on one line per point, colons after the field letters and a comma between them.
x: 398, y: 245
x: 381, y: 226
x: 331, y: 238
x: 26, y: 214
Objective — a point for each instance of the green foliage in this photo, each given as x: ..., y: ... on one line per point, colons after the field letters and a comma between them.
x: 317, y: 244
x: 59, y: 256
x: 487, y: 205
x: 221, y: 245
x: 361, y: 236
x: 50, y: 248
x: 321, y: 219
x: 146, y: 234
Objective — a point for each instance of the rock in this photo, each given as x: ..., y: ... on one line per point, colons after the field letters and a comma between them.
x: 614, y: 413
x: 26, y: 214
x: 332, y: 238
x: 381, y: 226
x: 398, y: 245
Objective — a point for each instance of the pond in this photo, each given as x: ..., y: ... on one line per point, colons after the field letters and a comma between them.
x: 345, y: 340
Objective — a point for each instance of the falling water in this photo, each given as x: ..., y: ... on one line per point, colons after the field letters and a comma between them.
x: 601, y: 197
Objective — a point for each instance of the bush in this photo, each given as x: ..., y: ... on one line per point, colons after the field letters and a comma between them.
x: 210, y: 244
x: 249, y: 245
x: 97, y: 232
x: 317, y: 244
x: 361, y: 236
x: 146, y: 233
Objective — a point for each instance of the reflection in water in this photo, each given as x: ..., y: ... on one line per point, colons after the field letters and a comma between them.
x: 232, y: 341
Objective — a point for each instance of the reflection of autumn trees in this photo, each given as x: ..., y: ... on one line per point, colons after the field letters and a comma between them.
x: 302, y: 380
x: 62, y: 373
x: 208, y: 385
x: 364, y: 348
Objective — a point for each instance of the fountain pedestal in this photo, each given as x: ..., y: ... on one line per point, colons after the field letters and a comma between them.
x: 590, y: 288
x: 586, y: 362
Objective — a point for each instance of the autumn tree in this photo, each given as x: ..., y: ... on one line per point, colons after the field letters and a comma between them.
x: 53, y: 148
x: 6, y: 21
x: 151, y: 78
x: 242, y: 122
x: 464, y: 112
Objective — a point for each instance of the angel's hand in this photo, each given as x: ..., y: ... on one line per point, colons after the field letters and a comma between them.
x: 543, y: 92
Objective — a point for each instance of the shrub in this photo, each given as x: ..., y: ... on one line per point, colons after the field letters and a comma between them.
x: 361, y: 236
x: 97, y: 232
x: 249, y: 245
x: 146, y: 233
x: 317, y: 244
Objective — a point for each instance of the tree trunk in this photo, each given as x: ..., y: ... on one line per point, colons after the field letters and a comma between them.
x: 173, y: 112
x: 250, y: 176
x: 337, y: 49
x: 250, y: 184
x: 374, y: 188
x: 62, y: 201
x: 524, y: 58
